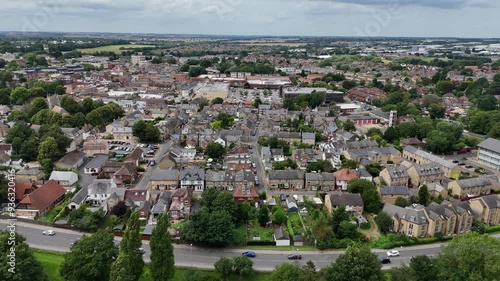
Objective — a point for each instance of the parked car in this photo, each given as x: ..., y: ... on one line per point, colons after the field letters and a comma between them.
x: 49, y: 232
x: 385, y: 260
x: 455, y: 161
x: 392, y: 253
x: 462, y: 164
x: 469, y: 166
x: 250, y: 254
x: 152, y: 163
x: 294, y: 257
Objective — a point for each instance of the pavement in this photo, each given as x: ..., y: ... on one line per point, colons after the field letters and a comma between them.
x: 202, y: 257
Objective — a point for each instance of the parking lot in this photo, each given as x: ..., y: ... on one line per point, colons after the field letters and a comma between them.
x: 242, y: 95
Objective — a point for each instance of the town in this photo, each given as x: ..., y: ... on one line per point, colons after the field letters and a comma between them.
x: 268, y: 143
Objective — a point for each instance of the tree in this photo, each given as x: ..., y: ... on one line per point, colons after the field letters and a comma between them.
x: 19, y: 95
x: 322, y: 227
x: 422, y: 268
x: 288, y: 272
x: 224, y: 268
x: 119, y: 209
x: 215, y: 150
x: 436, y: 111
x: 147, y: 132
x: 70, y: 105
x: 438, y: 142
x: 90, y: 258
x: 495, y: 131
x: 401, y: 273
x: 279, y: 217
x: 374, y: 131
x: 371, y: 200
x: 359, y: 186
x: 162, y: 251
x: 471, y: 256
x: 423, y: 195
x: 26, y: 266
x: 217, y: 100
x: 213, y: 228
x: 38, y: 104
x: 401, y: 202
x: 358, y: 263
x: 347, y: 230
x: 129, y: 264
x: 349, y: 126
x: 263, y: 216
x: 208, y: 197
x: 243, y: 266
x: 384, y: 222
x: 47, y: 154
x: 338, y: 216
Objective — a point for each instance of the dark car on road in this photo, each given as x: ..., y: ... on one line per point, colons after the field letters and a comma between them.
x: 385, y: 260
x: 294, y: 257
x: 250, y: 254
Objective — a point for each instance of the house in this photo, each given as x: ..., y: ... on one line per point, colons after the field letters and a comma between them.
x: 277, y: 154
x: 419, y: 156
x: 66, y: 179
x: 99, y: 190
x: 125, y: 175
x: 309, y: 138
x: 488, y: 152
x: 181, y: 203
x: 95, y: 165
x: 164, y: 179
x: 6, y: 148
x: 411, y: 221
x: 281, y: 236
x: 435, y: 189
x: 343, y: 176
x: 304, y: 157
x: 265, y: 154
x: 40, y: 201
x: 96, y: 147
x: 319, y: 181
x: 193, y: 178
x: 221, y: 142
x: 76, y: 136
x: 291, y: 205
x: 181, y: 155
x: 352, y: 201
x: 246, y: 193
x: 487, y: 209
x: 389, y: 194
x: 413, y: 142
x: 71, y: 160
x: 136, y: 196
x: 135, y: 157
x: 442, y: 218
x: 161, y: 206
x: 424, y: 174
x: 123, y: 134
x: 229, y: 180
x: 79, y: 199
x: 144, y: 209
x: 286, y: 179
x: 22, y: 189
x: 382, y: 155
x: 35, y: 175
x: 395, y: 176
x: 470, y: 187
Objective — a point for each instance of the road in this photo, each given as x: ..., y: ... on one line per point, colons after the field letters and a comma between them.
x: 256, y: 158
x: 186, y: 255
x: 164, y: 149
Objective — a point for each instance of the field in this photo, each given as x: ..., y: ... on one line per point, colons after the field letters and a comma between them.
x: 51, y: 262
x: 113, y: 48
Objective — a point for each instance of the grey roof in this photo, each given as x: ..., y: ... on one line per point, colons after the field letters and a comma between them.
x: 362, y: 144
x: 286, y: 174
x: 228, y: 176
x: 347, y: 199
x: 363, y: 173
x: 72, y: 158
x: 430, y: 157
x: 394, y: 190
x: 492, y: 201
x: 277, y: 151
x: 97, y: 162
x: 159, y: 175
x: 436, y: 210
x: 428, y: 169
x: 416, y: 216
x: 397, y: 172
x: 148, y: 230
x: 281, y: 234
x: 313, y: 177
x: 308, y: 136
x: 192, y: 174
x: 80, y: 196
x: 474, y: 182
x: 100, y: 186
x: 490, y: 144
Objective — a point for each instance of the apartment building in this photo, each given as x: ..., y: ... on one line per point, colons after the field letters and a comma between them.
x: 419, y: 156
x: 423, y: 174
x: 488, y: 152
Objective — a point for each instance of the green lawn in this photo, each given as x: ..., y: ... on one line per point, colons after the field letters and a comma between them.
x: 265, y: 234
x: 51, y: 262
x: 296, y: 223
x: 113, y: 48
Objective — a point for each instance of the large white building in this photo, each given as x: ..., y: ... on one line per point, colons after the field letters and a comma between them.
x: 489, y: 152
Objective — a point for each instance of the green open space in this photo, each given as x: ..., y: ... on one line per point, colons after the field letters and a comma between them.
x: 117, y: 49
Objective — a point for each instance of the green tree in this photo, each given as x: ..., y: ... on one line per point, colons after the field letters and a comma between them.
x: 90, y: 258
x: 401, y: 202
x: 243, y: 266
x: 422, y: 268
x: 322, y: 227
x: 384, y: 222
x: 212, y: 228
x: 129, y: 263
x: 279, y: 217
x: 19, y: 95
x: 147, y: 132
x: 347, y: 230
x: 38, y: 104
x: 217, y: 100
x: 436, y: 111
x: 215, y: 150
x: 338, y: 216
x: 438, y: 142
x: 288, y: 272
x: 26, y: 266
x: 402, y: 273
x: 70, y: 105
x: 371, y: 201
x: 162, y: 251
x: 471, y: 256
x: 263, y: 216
x: 423, y: 195
x: 349, y: 126
x: 208, y: 197
x: 358, y: 263
x: 495, y: 131
x: 224, y: 268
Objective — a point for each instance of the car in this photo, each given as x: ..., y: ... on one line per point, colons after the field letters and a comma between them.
x: 250, y: 254
x: 469, y: 166
x: 294, y: 257
x: 152, y: 163
x: 385, y: 260
x: 254, y: 171
x: 462, y: 164
x: 142, y: 250
x: 455, y: 161
x: 392, y: 253
x: 49, y: 232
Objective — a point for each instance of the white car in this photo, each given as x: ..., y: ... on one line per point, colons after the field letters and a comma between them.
x: 49, y: 232
x: 393, y: 253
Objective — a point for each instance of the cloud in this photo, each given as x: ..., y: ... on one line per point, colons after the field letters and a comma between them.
x: 442, y: 4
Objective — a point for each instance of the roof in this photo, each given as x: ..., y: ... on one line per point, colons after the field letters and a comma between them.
x: 22, y: 187
x: 100, y: 186
x: 135, y: 155
x: 410, y: 214
x: 345, y: 175
x: 490, y: 144
x: 286, y: 174
x: 492, y: 201
x: 80, y: 196
x: 97, y: 162
x: 428, y: 169
x: 397, y: 172
x: 430, y: 157
x: 159, y: 175
x: 72, y: 158
x: 474, y: 182
x: 43, y: 197
x: 347, y: 199
x: 95, y: 145
x: 281, y: 234
x: 394, y: 190
x: 136, y: 195
x: 251, y: 192
x: 193, y: 174
x: 71, y: 177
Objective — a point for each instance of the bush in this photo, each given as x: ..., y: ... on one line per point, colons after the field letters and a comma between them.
x: 140, y: 169
x: 491, y: 229
x: 365, y: 225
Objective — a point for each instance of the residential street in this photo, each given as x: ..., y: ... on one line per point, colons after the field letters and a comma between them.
x: 200, y: 257
x: 164, y: 148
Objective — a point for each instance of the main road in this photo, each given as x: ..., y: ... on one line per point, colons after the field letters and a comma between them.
x: 200, y: 257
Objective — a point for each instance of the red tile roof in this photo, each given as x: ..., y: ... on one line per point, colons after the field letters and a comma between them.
x: 22, y: 188
x: 345, y: 175
x: 238, y: 193
x: 46, y: 195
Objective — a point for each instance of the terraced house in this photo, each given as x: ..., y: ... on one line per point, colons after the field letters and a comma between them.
x: 320, y: 181
x: 419, y: 156
x: 286, y: 179
x: 470, y: 187
x: 423, y: 174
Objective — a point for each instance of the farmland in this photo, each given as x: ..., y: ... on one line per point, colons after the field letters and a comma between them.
x: 117, y: 49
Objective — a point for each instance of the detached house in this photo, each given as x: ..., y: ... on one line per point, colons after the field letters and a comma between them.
x: 181, y: 204
x: 352, y: 201
x: 99, y: 191
x: 65, y: 179
x: 343, y: 176
x: 40, y: 201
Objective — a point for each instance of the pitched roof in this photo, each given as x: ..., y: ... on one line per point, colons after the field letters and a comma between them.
x: 490, y: 144
x: 281, y: 234
x: 22, y: 187
x: 345, y: 175
x: 71, y: 158
x: 394, y: 190
x: 474, y: 182
x: 159, y: 175
x: 347, y: 199
x: 251, y: 192
x: 430, y: 157
x: 46, y: 195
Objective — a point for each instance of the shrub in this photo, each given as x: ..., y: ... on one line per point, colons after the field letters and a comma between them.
x: 365, y: 225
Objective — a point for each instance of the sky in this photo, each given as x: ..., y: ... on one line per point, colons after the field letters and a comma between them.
x: 370, y: 18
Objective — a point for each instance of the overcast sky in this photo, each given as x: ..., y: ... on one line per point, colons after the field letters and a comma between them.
x: 425, y: 18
